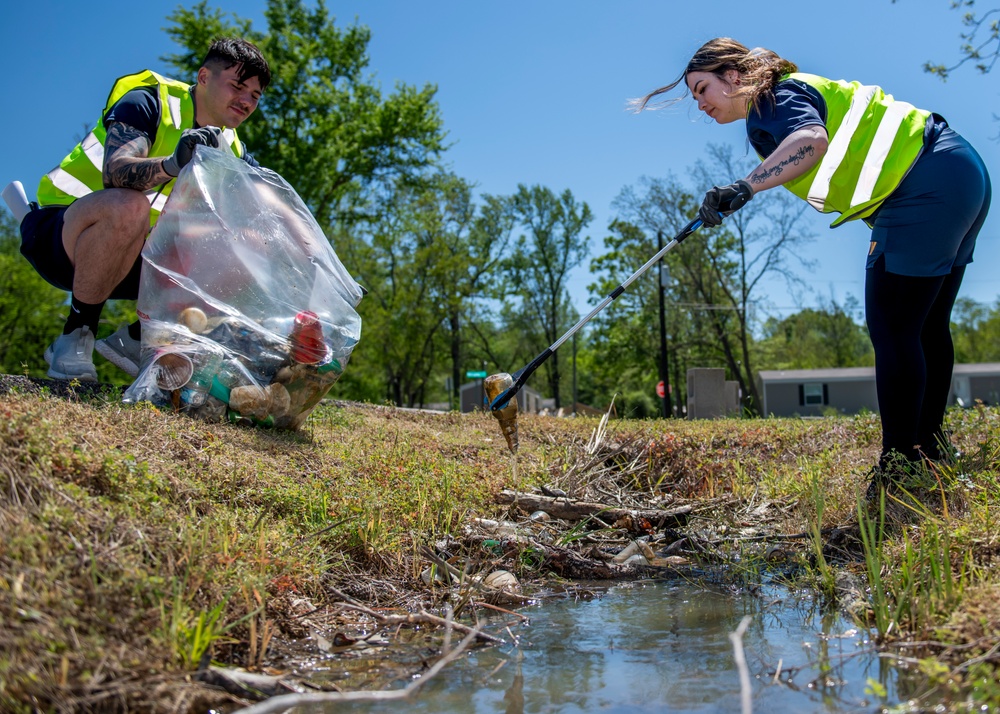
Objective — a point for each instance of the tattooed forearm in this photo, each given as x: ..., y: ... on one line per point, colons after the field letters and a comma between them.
x: 126, y: 164
x: 761, y: 175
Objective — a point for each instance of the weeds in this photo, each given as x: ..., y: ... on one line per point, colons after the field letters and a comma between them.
x: 260, y: 628
x: 872, y: 528
x: 826, y: 578
x: 923, y: 581
x: 177, y: 540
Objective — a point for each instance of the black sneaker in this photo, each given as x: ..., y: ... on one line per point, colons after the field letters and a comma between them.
x: 940, y: 449
x: 895, y: 474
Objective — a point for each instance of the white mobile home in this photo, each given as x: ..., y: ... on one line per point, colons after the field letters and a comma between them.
x: 815, y: 392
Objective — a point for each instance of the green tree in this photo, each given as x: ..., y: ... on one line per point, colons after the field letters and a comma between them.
x: 396, y: 258
x: 975, y: 328
x: 817, y: 338
x: 544, y: 255
x: 622, y: 350
x: 323, y: 124
x: 765, y: 242
x: 625, y: 337
x: 717, y: 273
x: 31, y: 310
x: 430, y: 263
x: 470, y: 244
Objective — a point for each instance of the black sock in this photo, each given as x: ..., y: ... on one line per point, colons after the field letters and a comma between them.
x: 135, y: 331
x: 82, y: 314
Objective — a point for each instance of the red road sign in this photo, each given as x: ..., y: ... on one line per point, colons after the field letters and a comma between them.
x: 661, y: 389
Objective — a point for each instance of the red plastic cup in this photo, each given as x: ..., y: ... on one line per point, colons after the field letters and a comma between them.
x: 307, y: 339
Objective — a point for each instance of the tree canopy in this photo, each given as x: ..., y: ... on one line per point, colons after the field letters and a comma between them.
x: 323, y: 123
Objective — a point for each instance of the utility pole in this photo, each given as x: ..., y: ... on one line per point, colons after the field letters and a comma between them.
x: 664, y: 372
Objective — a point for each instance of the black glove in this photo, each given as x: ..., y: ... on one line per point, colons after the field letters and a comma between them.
x: 723, y: 200
x: 190, y: 138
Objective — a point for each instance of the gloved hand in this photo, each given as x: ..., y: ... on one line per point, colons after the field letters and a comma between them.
x: 190, y: 138
x: 723, y: 200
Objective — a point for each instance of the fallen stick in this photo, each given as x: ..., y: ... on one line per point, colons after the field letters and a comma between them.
x: 287, y: 701
x: 423, y: 618
x: 746, y: 693
x: 570, y: 510
x: 524, y: 618
x: 775, y: 536
x: 567, y: 563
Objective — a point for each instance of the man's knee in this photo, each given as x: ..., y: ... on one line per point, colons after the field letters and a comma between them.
x: 128, y: 211
x: 115, y: 220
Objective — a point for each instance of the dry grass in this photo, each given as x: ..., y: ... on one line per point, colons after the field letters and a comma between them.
x: 135, y: 544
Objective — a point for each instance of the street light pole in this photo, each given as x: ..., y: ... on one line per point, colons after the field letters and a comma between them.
x: 664, y: 373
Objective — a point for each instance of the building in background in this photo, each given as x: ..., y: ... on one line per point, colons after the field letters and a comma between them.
x: 818, y: 392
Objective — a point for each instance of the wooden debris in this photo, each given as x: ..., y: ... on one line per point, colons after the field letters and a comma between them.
x: 567, y: 563
x: 414, y: 618
x: 248, y: 685
x: 570, y: 510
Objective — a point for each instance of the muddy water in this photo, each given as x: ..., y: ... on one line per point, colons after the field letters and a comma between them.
x: 658, y: 647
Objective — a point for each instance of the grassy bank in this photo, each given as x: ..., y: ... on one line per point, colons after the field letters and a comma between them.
x: 136, y: 544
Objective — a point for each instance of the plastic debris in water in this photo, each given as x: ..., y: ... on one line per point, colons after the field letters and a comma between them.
x: 502, y: 580
x: 495, y: 385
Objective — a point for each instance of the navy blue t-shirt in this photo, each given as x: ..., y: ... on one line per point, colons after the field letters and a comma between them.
x: 796, y: 106
x: 140, y: 109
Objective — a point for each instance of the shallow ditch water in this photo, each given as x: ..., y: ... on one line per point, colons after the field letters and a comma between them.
x: 644, y: 647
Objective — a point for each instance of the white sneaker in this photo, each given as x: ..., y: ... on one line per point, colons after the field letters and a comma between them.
x: 72, y: 356
x: 121, y: 350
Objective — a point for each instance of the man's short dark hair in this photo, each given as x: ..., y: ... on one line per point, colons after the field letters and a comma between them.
x: 227, y: 52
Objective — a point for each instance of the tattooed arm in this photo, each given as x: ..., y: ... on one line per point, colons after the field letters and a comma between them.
x: 796, y: 155
x: 126, y: 164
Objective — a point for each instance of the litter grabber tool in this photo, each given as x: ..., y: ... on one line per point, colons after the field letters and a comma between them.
x: 518, y: 379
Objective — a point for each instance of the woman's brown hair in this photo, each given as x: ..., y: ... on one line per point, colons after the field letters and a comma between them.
x: 759, y: 71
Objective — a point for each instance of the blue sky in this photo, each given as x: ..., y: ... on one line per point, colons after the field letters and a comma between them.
x: 535, y: 92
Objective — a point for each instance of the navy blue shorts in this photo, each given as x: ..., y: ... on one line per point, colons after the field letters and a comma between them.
x: 42, y: 245
x: 930, y: 222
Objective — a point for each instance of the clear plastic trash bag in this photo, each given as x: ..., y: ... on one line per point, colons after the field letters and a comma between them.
x: 247, y: 312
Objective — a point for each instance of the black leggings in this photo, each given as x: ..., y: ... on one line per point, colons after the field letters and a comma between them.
x: 909, y: 320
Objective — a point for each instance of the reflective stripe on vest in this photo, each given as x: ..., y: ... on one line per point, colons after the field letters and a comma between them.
x: 873, y: 142
x: 80, y: 173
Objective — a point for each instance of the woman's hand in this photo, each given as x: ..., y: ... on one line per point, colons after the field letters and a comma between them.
x: 721, y: 201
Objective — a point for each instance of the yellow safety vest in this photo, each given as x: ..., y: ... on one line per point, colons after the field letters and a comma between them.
x: 80, y: 173
x: 874, y: 140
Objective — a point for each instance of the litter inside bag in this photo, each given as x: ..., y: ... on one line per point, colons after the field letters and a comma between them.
x: 246, y: 310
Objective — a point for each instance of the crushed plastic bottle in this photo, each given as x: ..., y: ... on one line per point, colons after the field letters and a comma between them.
x: 495, y: 385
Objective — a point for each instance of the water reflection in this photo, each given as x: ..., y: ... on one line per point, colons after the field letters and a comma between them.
x: 657, y: 647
